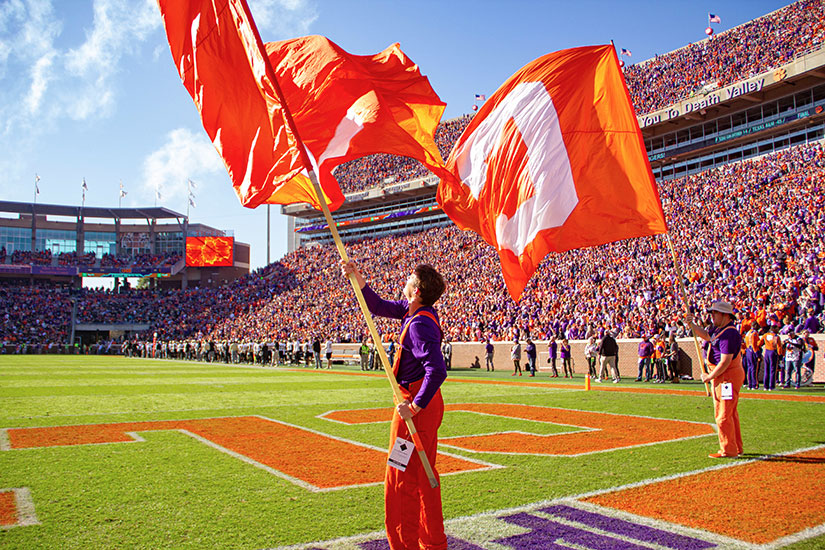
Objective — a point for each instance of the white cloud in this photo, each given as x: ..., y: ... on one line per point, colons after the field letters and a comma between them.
x: 282, y: 19
x: 185, y: 155
x: 119, y: 28
x: 48, y: 83
x: 40, y: 81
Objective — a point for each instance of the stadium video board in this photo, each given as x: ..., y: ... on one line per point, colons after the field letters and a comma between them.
x: 209, y: 251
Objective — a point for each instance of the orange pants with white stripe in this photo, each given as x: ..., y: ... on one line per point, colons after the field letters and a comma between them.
x: 727, y: 415
x: 412, y: 509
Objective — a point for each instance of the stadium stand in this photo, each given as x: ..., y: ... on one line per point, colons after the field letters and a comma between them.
x: 775, y: 262
x: 754, y: 218
x: 730, y: 56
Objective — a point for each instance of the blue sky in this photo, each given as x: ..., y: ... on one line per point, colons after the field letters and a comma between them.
x: 88, y: 89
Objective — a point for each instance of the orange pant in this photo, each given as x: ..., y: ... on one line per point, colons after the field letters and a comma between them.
x: 727, y: 416
x: 412, y: 508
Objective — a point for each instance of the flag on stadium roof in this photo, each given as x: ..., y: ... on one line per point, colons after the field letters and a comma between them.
x: 481, y: 97
x: 552, y: 162
x: 36, y: 187
x: 344, y: 106
x: 627, y: 53
x: 712, y: 18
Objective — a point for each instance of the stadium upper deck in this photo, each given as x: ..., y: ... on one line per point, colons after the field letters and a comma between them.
x: 746, y: 92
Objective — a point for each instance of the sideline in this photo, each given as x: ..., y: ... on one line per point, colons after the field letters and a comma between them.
x: 620, y: 389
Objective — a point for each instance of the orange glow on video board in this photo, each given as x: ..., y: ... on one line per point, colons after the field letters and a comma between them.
x: 209, y: 251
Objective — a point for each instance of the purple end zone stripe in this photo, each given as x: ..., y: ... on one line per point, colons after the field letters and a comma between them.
x: 452, y: 543
x: 377, y: 544
x: 628, y: 529
x: 546, y: 534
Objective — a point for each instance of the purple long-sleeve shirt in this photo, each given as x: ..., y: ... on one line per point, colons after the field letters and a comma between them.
x: 645, y: 349
x: 421, y: 349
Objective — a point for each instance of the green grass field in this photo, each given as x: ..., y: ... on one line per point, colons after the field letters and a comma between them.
x: 172, y: 491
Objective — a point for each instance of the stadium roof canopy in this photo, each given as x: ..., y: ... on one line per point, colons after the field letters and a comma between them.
x: 152, y: 212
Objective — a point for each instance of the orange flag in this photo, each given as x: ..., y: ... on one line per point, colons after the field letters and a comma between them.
x: 348, y: 106
x: 222, y: 63
x: 344, y: 106
x: 553, y: 161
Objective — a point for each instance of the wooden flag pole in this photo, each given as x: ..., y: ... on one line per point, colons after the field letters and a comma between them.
x: 290, y: 122
x: 376, y: 338
x: 683, y: 293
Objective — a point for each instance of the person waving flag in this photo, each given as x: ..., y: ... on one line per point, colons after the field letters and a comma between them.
x: 553, y: 161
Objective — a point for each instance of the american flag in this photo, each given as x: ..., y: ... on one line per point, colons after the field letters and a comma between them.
x: 481, y: 97
x: 714, y: 18
x: 627, y: 53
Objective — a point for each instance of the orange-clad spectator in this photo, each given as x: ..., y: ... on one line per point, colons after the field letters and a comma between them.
x: 773, y: 352
x: 752, y: 356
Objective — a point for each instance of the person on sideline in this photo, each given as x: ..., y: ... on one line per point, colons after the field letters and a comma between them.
x: 552, y: 354
x: 447, y: 351
x: 489, y: 351
x: 753, y: 356
x: 773, y: 347
x: 726, y: 375
x: 645, y: 356
x: 591, y: 351
x: 609, y: 358
x: 531, y: 352
x: 515, y: 355
x: 672, y: 358
x: 566, y: 357
x: 412, y: 508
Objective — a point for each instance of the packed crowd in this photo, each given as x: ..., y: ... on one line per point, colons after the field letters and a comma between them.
x: 749, y: 232
x: 45, y: 258
x: 34, y: 315
x: 750, y: 49
x: 731, y: 249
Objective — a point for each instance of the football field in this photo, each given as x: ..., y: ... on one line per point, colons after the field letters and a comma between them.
x: 109, y: 452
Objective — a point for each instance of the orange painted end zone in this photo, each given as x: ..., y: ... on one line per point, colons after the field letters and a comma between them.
x: 8, y: 509
x: 321, y: 461
x: 758, y: 502
x: 600, y: 431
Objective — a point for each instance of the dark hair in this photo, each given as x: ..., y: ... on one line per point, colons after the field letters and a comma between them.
x: 430, y: 284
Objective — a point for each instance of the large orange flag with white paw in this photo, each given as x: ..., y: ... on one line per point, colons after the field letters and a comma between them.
x: 259, y: 103
x: 553, y: 161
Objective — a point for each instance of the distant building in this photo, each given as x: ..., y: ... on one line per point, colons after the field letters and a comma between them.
x: 63, y: 244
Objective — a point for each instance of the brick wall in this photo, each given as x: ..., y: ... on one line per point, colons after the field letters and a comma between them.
x: 464, y: 354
